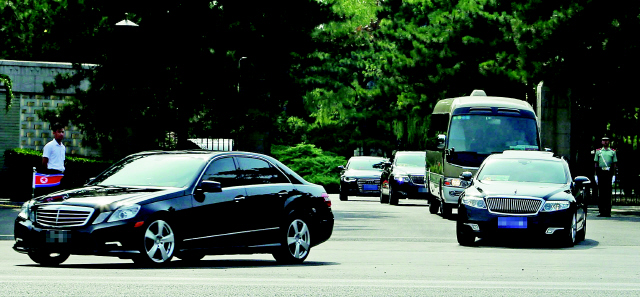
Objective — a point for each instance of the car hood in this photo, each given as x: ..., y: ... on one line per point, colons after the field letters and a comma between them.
x: 100, y: 196
x: 511, y: 189
x: 411, y: 170
x: 363, y: 173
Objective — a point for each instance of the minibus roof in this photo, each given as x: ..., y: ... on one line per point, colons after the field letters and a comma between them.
x: 447, y: 106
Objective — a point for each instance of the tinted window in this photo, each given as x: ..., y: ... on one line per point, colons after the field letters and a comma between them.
x: 256, y: 171
x: 223, y: 171
x: 163, y: 170
x: 523, y: 170
x: 410, y: 160
x: 363, y: 164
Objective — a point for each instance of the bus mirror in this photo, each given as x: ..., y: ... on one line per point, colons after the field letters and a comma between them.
x: 441, y: 140
x: 466, y: 176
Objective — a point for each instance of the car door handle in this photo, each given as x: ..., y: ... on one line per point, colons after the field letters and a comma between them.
x: 283, y: 192
x: 238, y: 199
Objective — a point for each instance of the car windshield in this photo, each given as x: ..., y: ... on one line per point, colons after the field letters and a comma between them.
x: 163, y: 170
x: 523, y: 170
x: 364, y: 164
x: 411, y: 160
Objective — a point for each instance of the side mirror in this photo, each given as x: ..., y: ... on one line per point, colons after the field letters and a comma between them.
x: 441, y: 140
x: 209, y: 186
x: 582, y: 180
x: 466, y: 176
x: 341, y: 167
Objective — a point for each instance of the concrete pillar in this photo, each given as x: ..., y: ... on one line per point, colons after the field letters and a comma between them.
x: 554, y: 112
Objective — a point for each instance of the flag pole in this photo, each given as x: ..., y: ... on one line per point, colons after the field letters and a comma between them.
x: 33, y: 183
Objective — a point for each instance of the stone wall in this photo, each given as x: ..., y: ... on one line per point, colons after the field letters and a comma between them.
x: 21, y: 127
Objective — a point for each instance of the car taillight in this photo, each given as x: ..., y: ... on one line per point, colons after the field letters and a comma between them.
x: 326, y: 199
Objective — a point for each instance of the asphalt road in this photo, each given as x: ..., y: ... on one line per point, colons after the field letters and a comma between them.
x: 376, y: 250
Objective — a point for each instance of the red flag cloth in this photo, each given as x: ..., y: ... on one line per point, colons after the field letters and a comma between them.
x: 46, y: 180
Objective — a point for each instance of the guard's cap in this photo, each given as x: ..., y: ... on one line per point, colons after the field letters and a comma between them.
x: 605, y: 137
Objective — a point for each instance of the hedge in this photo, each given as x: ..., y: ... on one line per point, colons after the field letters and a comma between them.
x: 313, y: 164
x: 18, y: 171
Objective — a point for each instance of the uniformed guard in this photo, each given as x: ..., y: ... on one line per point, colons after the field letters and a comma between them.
x: 605, y: 162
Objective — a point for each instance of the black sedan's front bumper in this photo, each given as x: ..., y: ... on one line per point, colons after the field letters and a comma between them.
x: 361, y: 187
x: 106, y: 239
x: 482, y: 223
x: 410, y: 188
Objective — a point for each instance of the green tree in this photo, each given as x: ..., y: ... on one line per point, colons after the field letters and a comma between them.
x: 183, y: 73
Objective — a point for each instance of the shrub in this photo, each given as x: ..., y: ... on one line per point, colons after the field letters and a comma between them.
x: 313, y: 164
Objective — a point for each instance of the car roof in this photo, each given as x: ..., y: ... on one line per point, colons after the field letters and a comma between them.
x: 409, y: 152
x: 367, y: 157
x: 519, y: 154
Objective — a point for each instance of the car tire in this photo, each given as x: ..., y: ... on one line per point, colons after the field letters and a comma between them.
x: 383, y: 198
x: 568, y: 235
x: 434, y: 206
x: 295, y: 242
x: 343, y: 196
x: 445, y: 209
x: 48, y: 258
x: 465, y: 237
x: 582, y: 234
x: 157, y: 244
x: 393, y: 197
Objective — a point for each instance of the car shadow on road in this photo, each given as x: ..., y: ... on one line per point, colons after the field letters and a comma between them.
x: 532, y: 243
x: 211, y: 263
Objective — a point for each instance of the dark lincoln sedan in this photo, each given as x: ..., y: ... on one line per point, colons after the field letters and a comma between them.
x: 152, y: 206
x: 523, y: 192
x: 403, y: 177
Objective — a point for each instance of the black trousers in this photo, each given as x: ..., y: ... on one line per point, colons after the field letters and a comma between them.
x: 604, y: 191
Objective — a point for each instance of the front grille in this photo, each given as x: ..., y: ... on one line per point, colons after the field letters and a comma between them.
x: 514, y: 205
x: 62, y: 215
x: 368, y: 181
x: 417, y: 179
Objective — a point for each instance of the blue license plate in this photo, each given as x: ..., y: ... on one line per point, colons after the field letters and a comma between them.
x: 512, y: 222
x: 370, y: 187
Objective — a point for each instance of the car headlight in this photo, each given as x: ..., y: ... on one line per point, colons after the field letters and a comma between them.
x: 348, y: 179
x: 401, y: 178
x: 474, y: 202
x: 124, y: 213
x: 101, y: 217
x: 454, y: 182
x: 25, y: 211
x: 555, y: 205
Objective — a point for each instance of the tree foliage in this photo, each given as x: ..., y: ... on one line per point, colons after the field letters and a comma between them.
x: 341, y: 74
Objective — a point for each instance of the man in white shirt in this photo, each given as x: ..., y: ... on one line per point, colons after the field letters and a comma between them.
x: 53, y: 154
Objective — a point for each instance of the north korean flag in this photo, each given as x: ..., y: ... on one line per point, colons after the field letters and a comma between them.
x: 46, y: 180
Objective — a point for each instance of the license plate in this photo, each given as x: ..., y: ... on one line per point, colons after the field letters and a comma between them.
x: 422, y: 190
x: 370, y: 187
x: 512, y: 222
x: 57, y: 236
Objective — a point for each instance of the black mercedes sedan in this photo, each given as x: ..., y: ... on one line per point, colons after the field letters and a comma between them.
x: 152, y: 206
x: 361, y: 177
x: 523, y: 193
x: 403, y: 177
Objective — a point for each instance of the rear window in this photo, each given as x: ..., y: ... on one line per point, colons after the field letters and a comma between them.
x: 523, y: 170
